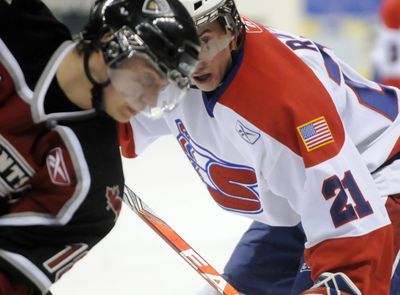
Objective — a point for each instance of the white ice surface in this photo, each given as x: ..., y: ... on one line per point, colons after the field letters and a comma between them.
x: 133, y: 260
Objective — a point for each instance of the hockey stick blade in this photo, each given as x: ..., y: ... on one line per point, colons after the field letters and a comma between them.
x: 178, y: 244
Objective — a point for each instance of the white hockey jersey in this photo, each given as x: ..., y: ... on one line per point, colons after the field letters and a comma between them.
x: 292, y: 135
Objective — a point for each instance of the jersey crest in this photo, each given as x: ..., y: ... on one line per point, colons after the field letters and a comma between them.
x: 233, y: 186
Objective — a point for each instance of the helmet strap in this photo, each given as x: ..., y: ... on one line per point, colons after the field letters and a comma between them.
x: 97, y: 87
x: 240, y: 39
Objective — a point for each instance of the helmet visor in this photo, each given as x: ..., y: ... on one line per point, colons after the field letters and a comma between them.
x: 139, y: 81
x: 168, y: 98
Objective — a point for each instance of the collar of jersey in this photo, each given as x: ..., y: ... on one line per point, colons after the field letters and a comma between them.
x: 211, y: 98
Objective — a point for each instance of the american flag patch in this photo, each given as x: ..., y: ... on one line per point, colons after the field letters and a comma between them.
x: 315, y: 134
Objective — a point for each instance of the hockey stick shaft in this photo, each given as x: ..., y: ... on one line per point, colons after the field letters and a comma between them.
x: 178, y: 244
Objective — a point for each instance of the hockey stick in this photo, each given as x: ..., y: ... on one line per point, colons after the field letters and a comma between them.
x: 178, y: 244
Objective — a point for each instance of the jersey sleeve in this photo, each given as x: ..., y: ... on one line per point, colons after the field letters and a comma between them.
x: 310, y: 160
x: 73, y: 185
x: 136, y: 135
x: 324, y: 177
x: 340, y: 212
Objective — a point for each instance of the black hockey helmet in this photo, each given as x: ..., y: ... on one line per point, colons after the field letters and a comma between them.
x: 161, y: 29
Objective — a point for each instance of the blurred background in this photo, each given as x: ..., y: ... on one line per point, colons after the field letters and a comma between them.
x: 348, y: 26
x: 133, y: 259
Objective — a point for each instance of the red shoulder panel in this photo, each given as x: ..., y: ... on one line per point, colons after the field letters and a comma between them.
x: 278, y: 93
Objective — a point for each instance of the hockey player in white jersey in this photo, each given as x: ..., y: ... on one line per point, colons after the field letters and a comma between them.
x: 281, y: 131
x: 386, y: 54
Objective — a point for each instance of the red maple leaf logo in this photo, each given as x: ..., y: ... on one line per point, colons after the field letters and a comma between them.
x: 114, y: 201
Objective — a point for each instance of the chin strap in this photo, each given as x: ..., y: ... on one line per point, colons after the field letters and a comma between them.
x: 240, y: 43
x: 97, y: 89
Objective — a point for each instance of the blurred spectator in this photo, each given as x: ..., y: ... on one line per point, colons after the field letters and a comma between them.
x: 386, y: 55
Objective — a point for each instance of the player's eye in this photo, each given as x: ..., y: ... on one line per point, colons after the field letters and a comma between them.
x: 149, y: 79
x: 204, y: 40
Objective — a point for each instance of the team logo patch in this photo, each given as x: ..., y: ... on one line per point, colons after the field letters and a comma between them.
x: 114, y: 201
x: 315, y: 133
x: 248, y: 135
x: 155, y: 6
x: 232, y: 185
x: 56, y: 167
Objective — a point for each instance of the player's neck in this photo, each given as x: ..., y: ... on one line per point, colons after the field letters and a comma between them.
x: 73, y: 80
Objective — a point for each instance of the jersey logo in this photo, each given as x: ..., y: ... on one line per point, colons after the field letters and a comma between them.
x: 14, y: 170
x: 315, y: 134
x: 248, y: 135
x: 251, y: 27
x: 233, y: 186
x: 56, y: 167
x: 114, y: 201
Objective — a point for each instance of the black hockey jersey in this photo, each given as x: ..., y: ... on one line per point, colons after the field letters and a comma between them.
x: 60, y: 184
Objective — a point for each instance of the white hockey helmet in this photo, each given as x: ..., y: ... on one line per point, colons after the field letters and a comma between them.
x: 203, y: 11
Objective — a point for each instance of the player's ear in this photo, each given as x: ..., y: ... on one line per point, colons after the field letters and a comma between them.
x: 106, y: 37
x: 233, y: 44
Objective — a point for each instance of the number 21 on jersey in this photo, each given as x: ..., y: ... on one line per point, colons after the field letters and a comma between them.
x: 342, y: 211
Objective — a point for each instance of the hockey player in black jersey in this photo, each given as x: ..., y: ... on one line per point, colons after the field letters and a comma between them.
x: 60, y: 169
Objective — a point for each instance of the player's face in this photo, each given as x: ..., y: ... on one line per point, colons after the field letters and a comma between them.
x: 135, y: 85
x: 215, y: 56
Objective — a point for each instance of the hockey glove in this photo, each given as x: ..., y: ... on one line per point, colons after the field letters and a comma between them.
x: 333, y: 283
